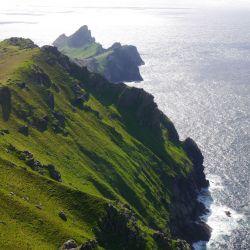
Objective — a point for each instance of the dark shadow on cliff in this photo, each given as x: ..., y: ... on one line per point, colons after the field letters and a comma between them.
x: 139, y: 113
x: 5, y: 102
x: 107, y: 171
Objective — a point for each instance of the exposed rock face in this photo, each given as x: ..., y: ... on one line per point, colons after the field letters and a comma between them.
x: 147, y: 112
x: 38, y: 76
x: 22, y: 43
x: 34, y: 164
x: 164, y: 243
x: 120, y: 227
x: 54, y: 174
x: 90, y: 245
x: 5, y: 102
x: 122, y: 65
x: 49, y: 99
x: 80, y: 38
x: 53, y: 56
x: 72, y: 245
x: 117, y: 63
x: 185, y: 209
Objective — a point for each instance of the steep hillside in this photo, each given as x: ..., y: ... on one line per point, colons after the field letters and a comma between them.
x: 84, y: 159
x: 117, y: 63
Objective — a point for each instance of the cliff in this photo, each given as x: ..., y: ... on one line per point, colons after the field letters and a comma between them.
x: 117, y: 63
x: 88, y: 164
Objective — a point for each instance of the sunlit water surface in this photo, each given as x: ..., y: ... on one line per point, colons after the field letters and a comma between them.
x: 198, y: 69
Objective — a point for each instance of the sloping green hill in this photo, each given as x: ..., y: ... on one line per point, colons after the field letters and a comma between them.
x: 81, y: 158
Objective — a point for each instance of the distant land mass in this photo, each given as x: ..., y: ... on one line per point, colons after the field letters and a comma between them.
x: 118, y: 63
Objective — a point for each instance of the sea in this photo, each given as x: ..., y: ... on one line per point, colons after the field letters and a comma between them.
x: 197, y: 66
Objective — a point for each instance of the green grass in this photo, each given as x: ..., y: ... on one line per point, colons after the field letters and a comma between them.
x: 100, y: 159
x: 89, y: 51
x: 85, y: 52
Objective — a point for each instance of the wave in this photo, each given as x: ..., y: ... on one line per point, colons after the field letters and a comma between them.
x: 222, y: 219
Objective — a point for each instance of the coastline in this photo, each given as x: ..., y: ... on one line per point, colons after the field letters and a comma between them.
x: 221, y: 222
x: 186, y: 208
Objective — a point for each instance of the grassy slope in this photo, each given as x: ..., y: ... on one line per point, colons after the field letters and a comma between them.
x: 88, y: 52
x: 100, y: 159
x: 84, y: 52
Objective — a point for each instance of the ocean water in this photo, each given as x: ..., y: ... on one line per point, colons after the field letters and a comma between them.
x: 197, y: 67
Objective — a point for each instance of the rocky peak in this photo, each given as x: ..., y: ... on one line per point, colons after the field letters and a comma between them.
x: 81, y: 37
x: 61, y: 39
x: 116, y: 45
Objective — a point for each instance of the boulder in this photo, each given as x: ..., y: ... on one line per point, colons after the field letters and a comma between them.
x: 70, y: 244
x: 62, y: 215
x: 34, y: 164
x: 118, y: 63
x: 25, y: 155
x: 165, y: 243
x: 40, y: 123
x: 54, y: 174
x: 39, y: 77
x: 193, y: 151
x: 90, y: 245
x: 24, y: 130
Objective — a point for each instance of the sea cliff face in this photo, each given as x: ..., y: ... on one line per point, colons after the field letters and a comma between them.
x: 93, y: 164
x: 186, y: 209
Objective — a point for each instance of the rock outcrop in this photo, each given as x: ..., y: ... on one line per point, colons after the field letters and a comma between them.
x: 5, y: 102
x: 72, y: 245
x: 22, y: 43
x: 185, y: 208
x: 69, y: 244
x: 165, y: 243
x: 120, y: 226
x: 28, y: 158
x: 80, y: 38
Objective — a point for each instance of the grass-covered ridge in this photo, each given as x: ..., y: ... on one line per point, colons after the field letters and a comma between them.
x: 108, y: 142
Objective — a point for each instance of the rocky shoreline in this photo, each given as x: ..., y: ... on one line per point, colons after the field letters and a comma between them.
x: 186, y: 210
